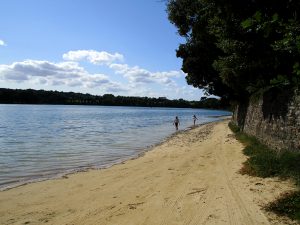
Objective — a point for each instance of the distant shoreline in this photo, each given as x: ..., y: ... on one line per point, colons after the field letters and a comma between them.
x: 30, y: 96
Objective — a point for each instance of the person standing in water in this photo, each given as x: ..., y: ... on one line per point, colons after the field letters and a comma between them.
x: 176, y: 122
x: 194, y: 118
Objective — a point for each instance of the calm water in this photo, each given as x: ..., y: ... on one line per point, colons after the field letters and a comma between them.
x: 43, y: 141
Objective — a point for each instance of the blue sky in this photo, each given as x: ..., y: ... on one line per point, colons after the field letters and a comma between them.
x: 91, y: 46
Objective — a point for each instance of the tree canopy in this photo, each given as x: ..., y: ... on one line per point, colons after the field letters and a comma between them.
x: 236, y: 48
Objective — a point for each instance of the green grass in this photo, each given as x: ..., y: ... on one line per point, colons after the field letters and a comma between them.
x: 265, y: 162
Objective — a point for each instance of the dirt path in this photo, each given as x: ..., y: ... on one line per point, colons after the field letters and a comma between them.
x: 190, y: 179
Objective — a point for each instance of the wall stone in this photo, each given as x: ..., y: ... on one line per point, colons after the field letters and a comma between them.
x: 273, y: 118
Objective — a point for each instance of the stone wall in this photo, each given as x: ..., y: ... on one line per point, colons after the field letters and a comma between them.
x: 273, y: 118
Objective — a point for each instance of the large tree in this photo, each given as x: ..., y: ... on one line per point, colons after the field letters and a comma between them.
x: 236, y: 48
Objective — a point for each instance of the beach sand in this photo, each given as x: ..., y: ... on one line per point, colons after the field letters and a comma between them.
x: 192, y: 178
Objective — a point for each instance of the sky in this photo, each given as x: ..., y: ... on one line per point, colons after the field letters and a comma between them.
x: 120, y: 47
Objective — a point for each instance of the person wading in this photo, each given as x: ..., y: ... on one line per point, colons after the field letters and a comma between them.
x: 194, y: 119
x: 176, y: 122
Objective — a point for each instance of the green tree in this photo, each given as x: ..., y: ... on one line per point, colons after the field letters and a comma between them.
x: 236, y: 48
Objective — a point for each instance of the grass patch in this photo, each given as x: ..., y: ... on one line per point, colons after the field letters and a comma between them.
x: 265, y: 162
x: 288, y: 204
x: 246, y: 169
x: 235, y: 129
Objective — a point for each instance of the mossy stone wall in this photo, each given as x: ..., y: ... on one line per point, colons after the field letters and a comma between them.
x: 273, y: 118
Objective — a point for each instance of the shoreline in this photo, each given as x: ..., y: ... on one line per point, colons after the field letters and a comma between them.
x: 191, y: 178
x: 143, y: 151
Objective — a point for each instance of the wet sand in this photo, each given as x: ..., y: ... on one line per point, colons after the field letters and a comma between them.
x: 192, y: 178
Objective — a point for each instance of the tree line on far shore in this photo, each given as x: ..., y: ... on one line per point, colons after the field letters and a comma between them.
x: 30, y: 96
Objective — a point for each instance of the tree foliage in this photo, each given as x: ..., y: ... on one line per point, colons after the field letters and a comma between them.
x: 236, y: 48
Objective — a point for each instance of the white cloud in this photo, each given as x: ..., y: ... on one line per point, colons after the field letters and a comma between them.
x: 56, y: 82
x: 49, y: 73
x: 31, y: 68
x: 137, y: 82
x: 74, y: 83
x: 95, y: 80
x: 133, y: 74
x: 93, y: 56
x: 113, y: 87
x: 2, y: 43
x: 138, y: 75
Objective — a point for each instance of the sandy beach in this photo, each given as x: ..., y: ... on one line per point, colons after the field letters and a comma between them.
x: 192, y: 178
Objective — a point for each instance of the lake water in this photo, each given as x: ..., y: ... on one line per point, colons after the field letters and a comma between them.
x: 44, y: 141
